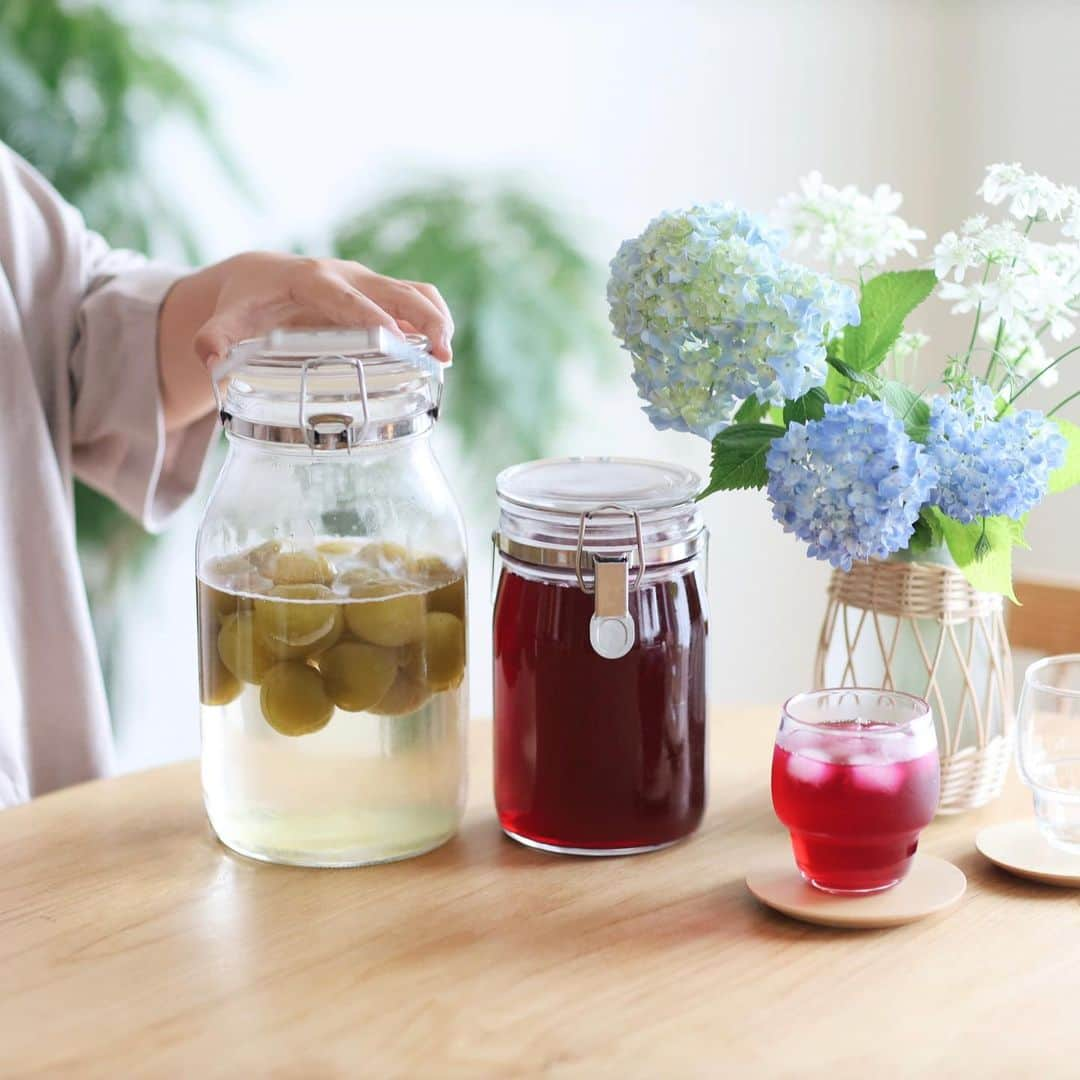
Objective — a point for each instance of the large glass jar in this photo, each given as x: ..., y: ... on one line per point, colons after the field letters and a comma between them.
x: 599, y: 655
x: 331, y: 607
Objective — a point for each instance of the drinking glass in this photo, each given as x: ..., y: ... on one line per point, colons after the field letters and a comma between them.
x: 1049, y: 747
x: 855, y: 778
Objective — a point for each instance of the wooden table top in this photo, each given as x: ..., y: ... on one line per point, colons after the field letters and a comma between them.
x: 132, y: 942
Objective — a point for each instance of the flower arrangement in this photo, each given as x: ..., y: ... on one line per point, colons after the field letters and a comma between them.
x: 794, y: 375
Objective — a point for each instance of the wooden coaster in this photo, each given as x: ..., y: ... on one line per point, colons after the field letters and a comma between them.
x: 933, y: 887
x: 1021, y: 848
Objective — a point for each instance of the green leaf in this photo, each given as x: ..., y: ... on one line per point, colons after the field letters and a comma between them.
x: 1069, y: 474
x: 927, y: 533
x: 836, y: 386
x: 983, y: 550
x: 811, y: 406
x: 870, y: 382
x: 886, y: 301
x: 911, y: 409
x: 738, y: 457
x: 750, y: 411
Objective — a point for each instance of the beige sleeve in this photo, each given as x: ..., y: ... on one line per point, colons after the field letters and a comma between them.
x: 119, y: 442
x: 88, y: 316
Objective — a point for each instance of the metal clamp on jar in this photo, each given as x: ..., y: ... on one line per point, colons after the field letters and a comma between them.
x: 599, y: 654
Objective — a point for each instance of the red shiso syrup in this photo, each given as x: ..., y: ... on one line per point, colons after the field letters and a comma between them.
x: 593, y: 754
x: 854, y: 824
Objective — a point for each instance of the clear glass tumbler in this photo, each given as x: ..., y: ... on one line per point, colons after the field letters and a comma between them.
x: 1049, y: 747
x: 855, y: 778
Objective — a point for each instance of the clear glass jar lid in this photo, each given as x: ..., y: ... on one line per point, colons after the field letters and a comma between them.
x: 558, y: 511
x: 329, y: 389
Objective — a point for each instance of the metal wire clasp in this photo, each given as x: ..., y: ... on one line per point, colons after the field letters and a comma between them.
x: 611, y: 628
x: 584, y: 520
x: 328, y: 430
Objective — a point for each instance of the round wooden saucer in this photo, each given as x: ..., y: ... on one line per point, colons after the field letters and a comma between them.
x: 933, y: 887
x: 1021, y: 848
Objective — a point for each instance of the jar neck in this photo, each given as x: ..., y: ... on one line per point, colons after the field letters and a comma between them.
x: 416, y: 444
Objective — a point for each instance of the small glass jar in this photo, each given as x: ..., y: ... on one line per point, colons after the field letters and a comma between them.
x: 599, y: 633
x: 331, y: 606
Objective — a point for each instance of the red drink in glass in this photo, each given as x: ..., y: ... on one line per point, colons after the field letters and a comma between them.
x: 855, y: 778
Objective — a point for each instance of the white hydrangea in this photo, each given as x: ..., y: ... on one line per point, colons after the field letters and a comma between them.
x: 845, y: 226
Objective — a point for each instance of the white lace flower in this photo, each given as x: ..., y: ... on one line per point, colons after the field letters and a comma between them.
x: 1050, y: 285
x: 1071, y: 218
x: 1030, y: 195
x: 1005, y: 295
x: 846, y: 226
x: 965, y: 297
x: 1001, y: 242
x: 908, y: 344
x: 955, y: 255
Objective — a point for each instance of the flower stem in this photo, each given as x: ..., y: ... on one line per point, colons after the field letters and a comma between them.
x: 1074, y: 394
x: 1039, y: 374
x: 978, y: 316
x: 1001, y: 322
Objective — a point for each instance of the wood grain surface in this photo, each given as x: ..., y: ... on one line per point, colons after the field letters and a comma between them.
x: 132, y: 943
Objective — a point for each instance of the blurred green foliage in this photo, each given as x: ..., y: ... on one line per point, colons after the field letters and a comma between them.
x: 81, y: 85
x: 527, y: 304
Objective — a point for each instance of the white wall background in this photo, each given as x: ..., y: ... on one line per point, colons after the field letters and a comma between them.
x: 615, y: 109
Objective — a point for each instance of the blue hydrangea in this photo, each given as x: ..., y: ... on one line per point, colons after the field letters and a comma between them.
x: 849, y: 485
x: 713, y: 315
x: 986, y: 466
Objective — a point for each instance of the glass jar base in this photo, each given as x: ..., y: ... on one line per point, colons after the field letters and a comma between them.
x: 849, y: 892
x: 557, y: 849
x: 254, y: 840
x: 329, y: 862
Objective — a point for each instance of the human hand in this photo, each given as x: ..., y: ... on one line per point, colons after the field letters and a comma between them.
x: 259, y: 291
x: 211, y: 310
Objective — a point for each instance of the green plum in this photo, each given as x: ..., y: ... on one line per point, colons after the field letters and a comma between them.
x: 357, y: 675
x: 294, y: 699
x: 391, y: 622
x: 242, y: 650
x: 444, y: 642
x: 292, y: 626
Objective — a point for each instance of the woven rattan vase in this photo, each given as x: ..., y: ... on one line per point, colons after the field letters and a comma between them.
x: 920, y: 627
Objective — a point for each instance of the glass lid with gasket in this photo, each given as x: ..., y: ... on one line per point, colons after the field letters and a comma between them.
x: 557, y: 512
x: 329, y: 389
